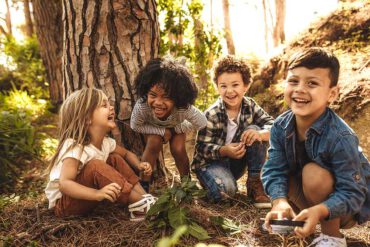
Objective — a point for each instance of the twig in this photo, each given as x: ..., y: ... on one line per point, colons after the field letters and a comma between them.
x: 364, y: 66
x: 37, y: 213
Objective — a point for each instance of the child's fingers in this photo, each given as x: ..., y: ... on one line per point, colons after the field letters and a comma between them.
x: 116, y: 186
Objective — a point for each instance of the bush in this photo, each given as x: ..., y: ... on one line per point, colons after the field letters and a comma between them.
x: 23, y: 67
x: 17, y: 135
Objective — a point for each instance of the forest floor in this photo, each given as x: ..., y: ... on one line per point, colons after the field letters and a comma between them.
x: 26, y: 221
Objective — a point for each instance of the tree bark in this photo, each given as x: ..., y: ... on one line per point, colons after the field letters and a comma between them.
x: 227, y: 28
x: 49, y: 30
x: 105, y: 45
x: 279, y: 33
x: 28, y: 18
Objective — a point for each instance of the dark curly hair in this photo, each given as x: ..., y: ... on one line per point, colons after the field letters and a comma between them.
x: 315, y: 57
x: 231, y: 64
x: 172, y: 75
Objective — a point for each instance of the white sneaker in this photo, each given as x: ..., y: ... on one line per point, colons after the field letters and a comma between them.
x: 326, y: 240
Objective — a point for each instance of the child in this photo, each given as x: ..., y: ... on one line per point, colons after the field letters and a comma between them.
x: 88, y: 166
x: 315, y: 164
x: 164, y: 110
x: 235, y: 137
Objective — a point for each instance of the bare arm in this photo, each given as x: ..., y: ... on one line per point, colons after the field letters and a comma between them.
x: 70, y: 187
x: 133, y: 160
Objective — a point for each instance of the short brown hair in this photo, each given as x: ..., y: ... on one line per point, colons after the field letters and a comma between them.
x: 231, y: 64
x: 316, y: 57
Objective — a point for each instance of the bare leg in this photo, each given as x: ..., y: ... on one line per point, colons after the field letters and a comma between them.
x: 151, y: 152
x: 178, y: 151
x: 136, y: 194
x: 318, y: 184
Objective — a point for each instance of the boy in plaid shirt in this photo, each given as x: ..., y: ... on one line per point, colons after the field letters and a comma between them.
x: 235, y: 138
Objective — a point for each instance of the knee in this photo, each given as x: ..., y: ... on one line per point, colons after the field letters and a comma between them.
x: 178, y: 151
x: 218, y: 188
x: 154, y: 144
x: 316, y: 181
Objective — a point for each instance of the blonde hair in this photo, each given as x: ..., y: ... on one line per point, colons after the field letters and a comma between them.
x: 74, y: 116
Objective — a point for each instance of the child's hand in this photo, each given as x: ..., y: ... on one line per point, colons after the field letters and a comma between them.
x: 312, y: 217
x: 146, y: 168
x: 110, y: 192
x: 280, y: 209
x: 233, y: 150
x: 250, y: 136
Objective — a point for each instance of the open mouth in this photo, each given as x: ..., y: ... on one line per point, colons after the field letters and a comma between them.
x: 158, y: 110
x: 300, y: 101
x: 231, y: 97
x: 111, y: 117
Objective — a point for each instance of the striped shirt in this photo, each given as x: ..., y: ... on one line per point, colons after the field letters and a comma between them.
x: 182, y: 120
x: 213, y: 137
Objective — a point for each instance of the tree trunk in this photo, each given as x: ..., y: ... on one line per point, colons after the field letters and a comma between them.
x: 105, y: 45
x: 264, y: 7
x: 8, y: 19
x: 49, y: 29
x: 227, y: 28
x: 279, y: 33
x: 27, y: 16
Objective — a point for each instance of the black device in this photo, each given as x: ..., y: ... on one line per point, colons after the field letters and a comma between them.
x: 286, y: 222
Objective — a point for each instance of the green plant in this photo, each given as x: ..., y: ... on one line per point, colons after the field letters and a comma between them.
x: 174, y: 238
x: 17, y: 135
x: 183, y: 33
x: 24, y: 66
x: 170, y: 210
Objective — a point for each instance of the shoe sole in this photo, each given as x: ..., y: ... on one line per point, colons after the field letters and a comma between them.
x: 262, y: 205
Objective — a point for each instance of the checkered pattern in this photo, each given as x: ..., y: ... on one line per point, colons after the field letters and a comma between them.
x: 212, y: 138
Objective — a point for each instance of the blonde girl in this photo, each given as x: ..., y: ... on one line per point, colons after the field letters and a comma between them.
x: 88, y: 167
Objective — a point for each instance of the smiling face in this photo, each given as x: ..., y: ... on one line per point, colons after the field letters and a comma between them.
x: 103, y: 116
x: 159, y: 102
x: 308, y: 92
x: 232, y: 89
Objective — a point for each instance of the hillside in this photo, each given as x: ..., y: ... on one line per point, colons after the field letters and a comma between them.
x: 346, y: 32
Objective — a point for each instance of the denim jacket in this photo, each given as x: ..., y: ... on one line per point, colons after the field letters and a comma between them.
x: 330, y: 143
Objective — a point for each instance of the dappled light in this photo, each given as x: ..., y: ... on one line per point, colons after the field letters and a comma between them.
x: 45, y: 55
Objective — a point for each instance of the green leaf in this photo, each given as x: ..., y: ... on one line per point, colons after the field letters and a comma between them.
x: 180, y: 194
x: 198, y: 232
x: 156, y: 209
x: 226, y: 224
x: 177, y: 217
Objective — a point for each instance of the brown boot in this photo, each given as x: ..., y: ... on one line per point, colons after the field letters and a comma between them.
x: 256, y: 192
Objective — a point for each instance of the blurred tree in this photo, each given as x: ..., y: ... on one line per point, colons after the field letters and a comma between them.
x: 184, y: 34
x: 105, y: 45
x: 8, y: 21
x: 227, y: 28
x: 49, y: 29
x: 266, y: 36
x: 279, y: 31
x: 28, y: 18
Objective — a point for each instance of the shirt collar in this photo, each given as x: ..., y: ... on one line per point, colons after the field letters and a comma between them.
x: 317, y: 126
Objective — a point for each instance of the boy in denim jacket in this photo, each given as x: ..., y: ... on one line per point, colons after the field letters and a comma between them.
x: 315, y: 165
x: 236, y: 137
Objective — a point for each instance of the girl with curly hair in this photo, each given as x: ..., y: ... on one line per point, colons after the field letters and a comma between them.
x: 164, y: 111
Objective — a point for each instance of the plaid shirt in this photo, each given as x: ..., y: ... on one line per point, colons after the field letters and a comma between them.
x: 212, y: 138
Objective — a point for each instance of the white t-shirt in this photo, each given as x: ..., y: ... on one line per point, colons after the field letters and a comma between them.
x: 89, y: 152
x: 232, y: 127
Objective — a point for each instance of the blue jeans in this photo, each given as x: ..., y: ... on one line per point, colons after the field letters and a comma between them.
x: 220, y: 176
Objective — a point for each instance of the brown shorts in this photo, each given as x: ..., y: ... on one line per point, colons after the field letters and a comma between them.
x: 298, y: 201
x: 97, y: 174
